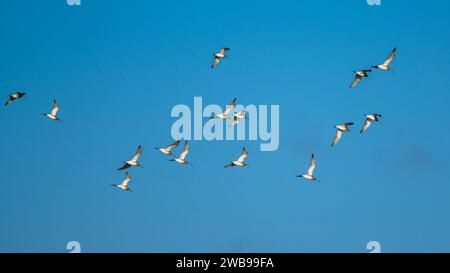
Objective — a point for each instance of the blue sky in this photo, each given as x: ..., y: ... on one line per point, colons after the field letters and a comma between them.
x: 118, y: 67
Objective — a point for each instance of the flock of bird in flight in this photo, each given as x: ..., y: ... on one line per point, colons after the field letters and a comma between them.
x: 236, y: 117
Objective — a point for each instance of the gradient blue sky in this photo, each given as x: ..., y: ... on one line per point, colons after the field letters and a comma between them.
x: 118, y: 67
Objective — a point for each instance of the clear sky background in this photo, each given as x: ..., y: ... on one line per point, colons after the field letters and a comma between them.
x: 118, y: 67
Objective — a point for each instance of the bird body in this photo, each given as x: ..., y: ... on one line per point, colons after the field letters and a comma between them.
x: 241, y: 160
x: 55, y: 110
x: 238, y: 117
x: 182, y: 158
x: 53, y: 117
x: 181, y: 161
x: 382, y: 67
x: 226, y: 114
x: 363, y: 73
x: 369, y: 119
x: 386, y: 65
x: 310, y: 173
x: 359, y: 75
x: 344, y: 127
x: 218, y: 56
x: 134, y: 161
x: 340, y: 129
x: 222, y: 116
x: 14, y: 96
x: 124, y: 184
x: 168, y: 149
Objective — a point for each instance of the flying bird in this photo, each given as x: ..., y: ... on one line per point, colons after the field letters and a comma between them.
x: 54, y: 111
x: 369, y: 119
x: 225, y: 115
x: 168, y: 149
x: 359, y: 75
x: 238, y: 117
x: 219, y: 55
x: 240, y: 162
x: 13, y: 97
x: 385, y: 66
x: 182, y: 158
x: 340, y: 129
x: 133, y: 161
x: 310, y: 173
x: 124, y: 184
